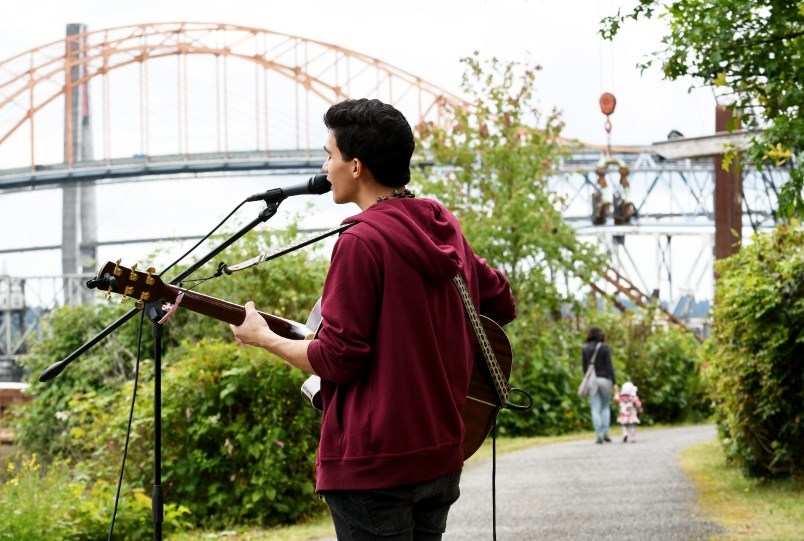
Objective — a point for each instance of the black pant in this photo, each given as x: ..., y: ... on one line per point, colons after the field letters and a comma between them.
x: 413, y: 512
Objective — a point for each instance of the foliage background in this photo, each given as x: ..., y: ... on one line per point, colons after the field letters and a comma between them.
x: 493, y: 168
x: 238, y: 443
x: 756, y: 352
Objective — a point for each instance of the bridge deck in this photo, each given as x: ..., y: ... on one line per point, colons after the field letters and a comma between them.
x: 51, y: 176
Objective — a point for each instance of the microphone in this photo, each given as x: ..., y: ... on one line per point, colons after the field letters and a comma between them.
x: 316, y: 185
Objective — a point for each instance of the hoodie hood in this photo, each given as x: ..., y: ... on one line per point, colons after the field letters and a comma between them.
x: 422, y: 231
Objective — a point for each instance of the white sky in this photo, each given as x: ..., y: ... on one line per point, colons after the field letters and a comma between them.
x: 428, y: 38
x: 424, y: 37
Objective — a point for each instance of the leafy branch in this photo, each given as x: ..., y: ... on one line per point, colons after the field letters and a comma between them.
x: 753, y: 50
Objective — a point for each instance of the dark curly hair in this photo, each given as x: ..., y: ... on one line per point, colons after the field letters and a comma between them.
x: 375, y: 133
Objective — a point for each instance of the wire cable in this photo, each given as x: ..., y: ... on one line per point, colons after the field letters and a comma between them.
x: 204, y: 238
x: 130, y: 419
x: 137, y: 370
x: 139, y: 353
x: 494, y: 481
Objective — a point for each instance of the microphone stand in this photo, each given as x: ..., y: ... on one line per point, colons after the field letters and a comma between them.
x: 155, y: 312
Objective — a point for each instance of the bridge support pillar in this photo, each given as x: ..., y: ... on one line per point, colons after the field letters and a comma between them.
x: 79, y: 222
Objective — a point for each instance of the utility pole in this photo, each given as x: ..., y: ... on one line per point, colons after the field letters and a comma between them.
x: 728, y: 196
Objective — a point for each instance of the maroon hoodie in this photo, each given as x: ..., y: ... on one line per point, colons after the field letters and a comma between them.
x: 395, y: 348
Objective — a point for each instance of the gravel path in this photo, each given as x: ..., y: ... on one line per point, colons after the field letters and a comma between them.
x: 582, y: 491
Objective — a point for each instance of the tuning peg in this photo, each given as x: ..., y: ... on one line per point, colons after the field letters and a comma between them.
x: 144, y: 297
x: 126, y: 292
x: 149, y: 279
x: 133, y: 276
x: 117, y: 271
x: 109, y: 293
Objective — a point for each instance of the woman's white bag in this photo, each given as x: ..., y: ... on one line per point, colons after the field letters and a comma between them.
x: 588, y: 384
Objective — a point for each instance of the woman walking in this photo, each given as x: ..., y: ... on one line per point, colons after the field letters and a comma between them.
x: 596, y: 350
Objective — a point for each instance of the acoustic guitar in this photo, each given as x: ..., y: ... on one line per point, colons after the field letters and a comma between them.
x: 488, y: 387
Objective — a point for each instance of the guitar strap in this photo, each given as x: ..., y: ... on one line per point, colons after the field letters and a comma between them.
x: 500, y: 382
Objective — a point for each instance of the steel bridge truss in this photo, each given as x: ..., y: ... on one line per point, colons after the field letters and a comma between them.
x: 24, y: 302
x: 673, y: 217
x: 181, y: 85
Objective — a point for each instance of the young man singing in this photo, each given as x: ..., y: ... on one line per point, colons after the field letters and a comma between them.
x: 395, y: 349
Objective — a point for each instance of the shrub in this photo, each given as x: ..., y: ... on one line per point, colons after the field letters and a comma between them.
x: 666, y: 372
x: 32, y: 505
x: 660, y: 359
x: 544, y: 368
x: 241, y: 439
x: 42, y: 426
x: 55, y: 502
x: 756, y: 351
x: 244, y: 475
x: 238, y: 439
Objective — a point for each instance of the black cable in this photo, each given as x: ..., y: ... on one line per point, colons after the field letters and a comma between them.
x: 494, y: 481
x: 137, y: 369
x: 519, y: 407
x: 515, y: 407
x: 130, y: 418
x: 137, y: 366
x: 205, y: 237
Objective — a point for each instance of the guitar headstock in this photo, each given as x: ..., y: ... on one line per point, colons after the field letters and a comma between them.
x: 129, y: 282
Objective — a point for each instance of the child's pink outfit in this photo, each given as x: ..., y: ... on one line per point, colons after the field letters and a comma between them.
x: 630, y: 405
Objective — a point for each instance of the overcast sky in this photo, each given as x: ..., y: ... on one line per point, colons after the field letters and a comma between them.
x: 428, y: 38
x: 424, y: 37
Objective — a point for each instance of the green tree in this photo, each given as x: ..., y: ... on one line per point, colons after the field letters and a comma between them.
x: 753, y: 52
x: 492, y: 168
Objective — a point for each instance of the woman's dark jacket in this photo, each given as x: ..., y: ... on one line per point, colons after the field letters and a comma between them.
x: 603, y: 366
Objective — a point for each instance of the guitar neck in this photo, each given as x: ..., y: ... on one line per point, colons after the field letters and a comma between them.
x: 229, y: 312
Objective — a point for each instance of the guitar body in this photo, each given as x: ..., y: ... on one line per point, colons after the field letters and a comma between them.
x: 482, y: 403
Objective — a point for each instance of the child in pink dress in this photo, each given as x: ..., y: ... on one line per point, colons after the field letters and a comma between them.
x: 630, y: 405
